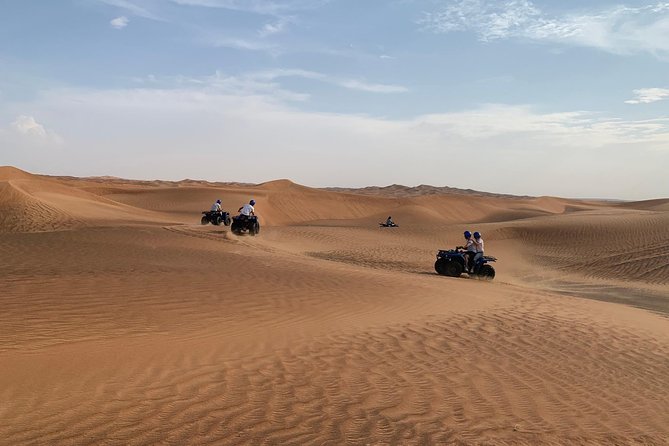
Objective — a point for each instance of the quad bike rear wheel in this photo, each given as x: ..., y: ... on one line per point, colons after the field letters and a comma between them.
x: 227, y: 221
x: 487, y: 272
x: 255, y: 229
x: 204, y: 220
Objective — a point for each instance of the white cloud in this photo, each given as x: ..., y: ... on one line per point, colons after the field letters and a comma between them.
x: 119, y: 22
x: 241, y: 44
x: 195, y: 128
x: 27, y: 128
x: 648, y: 95
x: 27, y: 125
x: 618, y: 29
x: 354, y: 84
x: 276, y: 27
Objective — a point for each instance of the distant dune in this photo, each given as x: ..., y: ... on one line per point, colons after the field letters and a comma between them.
x: 126, y: 321
x: 660, y: 205
x: 398, y: 190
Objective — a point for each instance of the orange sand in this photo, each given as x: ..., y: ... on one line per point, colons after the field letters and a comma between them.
x: 124, y: 321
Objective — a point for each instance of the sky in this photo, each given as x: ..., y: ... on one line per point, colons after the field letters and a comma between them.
x: 566, y: 98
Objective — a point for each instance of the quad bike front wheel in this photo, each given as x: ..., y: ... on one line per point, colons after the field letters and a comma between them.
x: 440, y: 266
x: 227, y: 221
x: 204, y: 220
x: 453, y: 269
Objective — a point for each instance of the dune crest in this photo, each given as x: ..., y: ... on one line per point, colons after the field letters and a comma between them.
x: 12, y: 173
x: 126, y: 321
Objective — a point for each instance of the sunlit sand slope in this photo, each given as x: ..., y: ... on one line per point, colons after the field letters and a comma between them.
x: 127, y: 322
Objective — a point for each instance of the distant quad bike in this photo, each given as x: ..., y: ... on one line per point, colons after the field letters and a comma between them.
x: 452, y: 263
x: 216, y: 218
x: 241, y: 224
x: 391, y: 225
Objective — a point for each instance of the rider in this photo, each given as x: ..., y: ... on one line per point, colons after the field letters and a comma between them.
x: 216, y: 207
x: 389, y: 221
x: 247, y: 210
x: 470, y: 248
x: 478, y: 243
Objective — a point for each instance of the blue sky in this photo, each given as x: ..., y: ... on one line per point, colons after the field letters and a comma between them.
x: 543, y: 98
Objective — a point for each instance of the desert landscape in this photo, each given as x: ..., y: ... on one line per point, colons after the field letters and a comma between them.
x: 126, y: 321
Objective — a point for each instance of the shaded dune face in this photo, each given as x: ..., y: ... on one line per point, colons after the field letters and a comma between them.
x: 125, y: 321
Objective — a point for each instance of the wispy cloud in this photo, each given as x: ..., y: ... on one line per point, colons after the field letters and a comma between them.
x: 133, y: 8
x: 355, y: 84
x: 242, y: 44
x: 119, y: 22
x: 351, y: 84
x: 648, y: 95
x: 266, y: 83
x: 618, y: 29
x: 268, y: 7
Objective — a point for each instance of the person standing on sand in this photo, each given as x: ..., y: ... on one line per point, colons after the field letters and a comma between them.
x: 478, y: 243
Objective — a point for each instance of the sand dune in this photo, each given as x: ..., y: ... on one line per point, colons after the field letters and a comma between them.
x: 125, y: 321
x: 660, y: 205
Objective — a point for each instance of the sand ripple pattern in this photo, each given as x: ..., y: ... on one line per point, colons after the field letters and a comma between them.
x: 511, y: 377
x: 631, y: 246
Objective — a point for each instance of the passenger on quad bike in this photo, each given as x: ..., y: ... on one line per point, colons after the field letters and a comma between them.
x: 469, y: 251
x: 389, y: 223
x: 451, y: 262
x: 478, y: 242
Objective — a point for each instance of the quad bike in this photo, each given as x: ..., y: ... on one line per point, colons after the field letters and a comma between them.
x: 391, y: 225
x: 242, y: 224
x: 216, y: 218
x: 452, y: 263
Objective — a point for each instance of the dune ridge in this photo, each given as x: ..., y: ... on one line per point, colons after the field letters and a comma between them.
x: 125, y: 321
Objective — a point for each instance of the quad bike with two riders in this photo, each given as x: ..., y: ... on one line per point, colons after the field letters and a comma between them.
x: 216, y: 218
x: 243, y: 224
x: 452, y: 263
